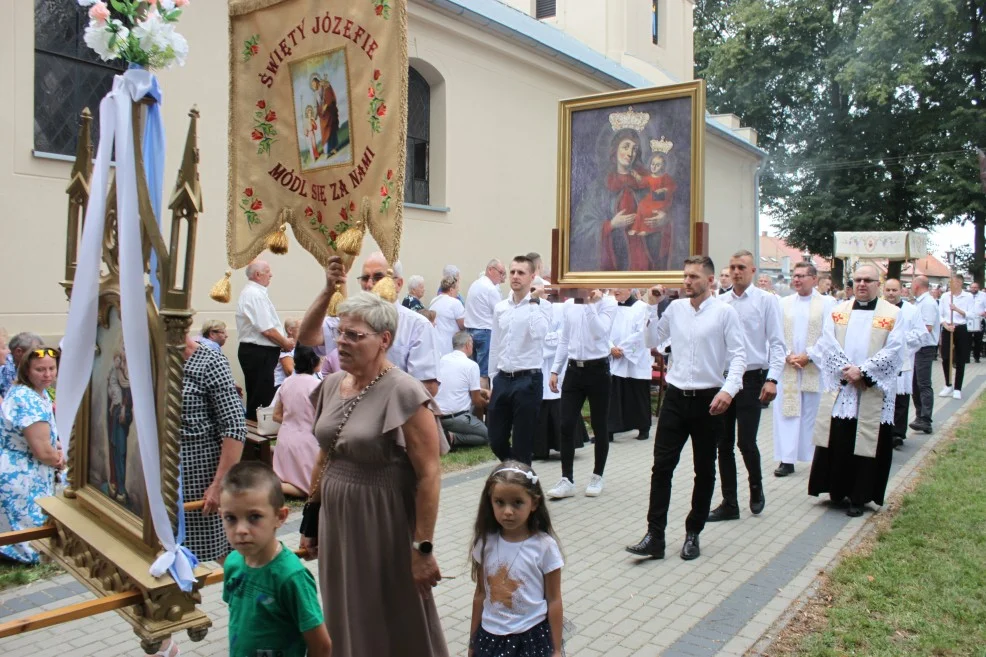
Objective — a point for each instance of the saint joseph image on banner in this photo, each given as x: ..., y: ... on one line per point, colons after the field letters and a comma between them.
x: 320, y: 87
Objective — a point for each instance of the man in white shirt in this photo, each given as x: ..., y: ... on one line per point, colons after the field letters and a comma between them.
x: 707, y: 342
x: 725, y: 281
x: 261, y: 343
x: 415, y: 346
x: 763, y: 334
x: 630, y: 366
x: 974, y: 321
x: 954, y: 306
x: 860, y: 351
x: 799, y: 389
x: 584, y: 345
x: 481, y: 299
x: 460, y: 392
x: 520, y: 323
x: 923, y: 393
x: 915, y: 337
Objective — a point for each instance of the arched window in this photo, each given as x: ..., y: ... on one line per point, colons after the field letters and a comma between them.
x: 418, y: 135
x: 67, y: 76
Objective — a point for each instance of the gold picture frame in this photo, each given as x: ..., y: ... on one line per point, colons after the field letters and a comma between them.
x: 631, y: 171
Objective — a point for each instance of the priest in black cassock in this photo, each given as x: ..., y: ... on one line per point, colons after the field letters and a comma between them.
x: 862, y: 345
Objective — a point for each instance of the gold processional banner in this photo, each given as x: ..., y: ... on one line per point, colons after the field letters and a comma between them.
x: 318, y: 123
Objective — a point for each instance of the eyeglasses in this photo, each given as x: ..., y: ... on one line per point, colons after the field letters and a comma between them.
x: 379, y: 276
x: 802, y: 276
x: 350, y: 336
x: 41, y: 353
x: 857, y: 281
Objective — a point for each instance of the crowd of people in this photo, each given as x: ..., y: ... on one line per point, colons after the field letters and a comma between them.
x: 370, y: 398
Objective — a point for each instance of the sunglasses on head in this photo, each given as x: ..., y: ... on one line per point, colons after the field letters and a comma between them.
x: 41, y: 353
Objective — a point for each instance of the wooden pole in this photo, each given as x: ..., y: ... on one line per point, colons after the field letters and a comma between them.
x: 70, y: 613
x: 24, y: 535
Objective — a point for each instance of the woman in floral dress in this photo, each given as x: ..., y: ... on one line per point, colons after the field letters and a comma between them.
x: 30, y: 452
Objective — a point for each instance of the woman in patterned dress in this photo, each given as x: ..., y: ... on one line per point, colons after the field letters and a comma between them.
x: 30, y: 453
x: 213, y: 430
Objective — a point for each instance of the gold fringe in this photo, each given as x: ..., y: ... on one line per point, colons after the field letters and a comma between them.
x: 221, y: 290
x: 351, y: 241
x: 337, y: 298
x: 385, y: 288
x: 277, y: 240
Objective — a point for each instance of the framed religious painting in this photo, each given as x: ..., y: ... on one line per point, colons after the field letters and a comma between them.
x: 630, y: 185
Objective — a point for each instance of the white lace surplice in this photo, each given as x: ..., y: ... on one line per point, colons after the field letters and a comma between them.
x: 882, y: 368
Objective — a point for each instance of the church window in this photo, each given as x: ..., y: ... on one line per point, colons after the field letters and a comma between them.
x: 418, y: 135
x: 68, y: 76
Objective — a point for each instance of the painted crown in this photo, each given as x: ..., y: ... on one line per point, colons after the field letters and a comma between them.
x: 628, y: 119
x: 661, y: 145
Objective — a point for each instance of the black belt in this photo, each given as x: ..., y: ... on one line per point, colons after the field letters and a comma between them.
x: 452, y: 415
x: 756, y: 370
x: 705, y: 392
x: 588, y: 363
x: 518, y: 373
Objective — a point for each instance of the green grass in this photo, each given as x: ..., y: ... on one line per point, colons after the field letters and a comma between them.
x: 921, y: 590
x: 466, y: 457
x: 16, y: 574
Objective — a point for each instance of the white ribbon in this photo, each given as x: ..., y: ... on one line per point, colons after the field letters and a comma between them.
x: 80, y: 333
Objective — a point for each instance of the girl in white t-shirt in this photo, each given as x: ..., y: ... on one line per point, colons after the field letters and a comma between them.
x: 517, y: 608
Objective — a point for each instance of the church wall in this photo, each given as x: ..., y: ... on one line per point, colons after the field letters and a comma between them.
x: 493, y: 166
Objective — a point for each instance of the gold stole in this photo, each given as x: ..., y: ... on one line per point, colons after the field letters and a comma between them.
x: 870, y: 406
x: 810, y: 375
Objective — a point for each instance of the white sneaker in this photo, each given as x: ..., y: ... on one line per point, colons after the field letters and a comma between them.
x: 946, y: 391
x: 564, y: 488
x: 957, y: 394
x: 595, y: 486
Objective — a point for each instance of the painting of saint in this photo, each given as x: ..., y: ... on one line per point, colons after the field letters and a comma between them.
x: 114, y: 466
x: 628, y: 166
x: 320, y: 87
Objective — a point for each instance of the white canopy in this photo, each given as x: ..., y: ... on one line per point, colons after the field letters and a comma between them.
x: 894, y: 245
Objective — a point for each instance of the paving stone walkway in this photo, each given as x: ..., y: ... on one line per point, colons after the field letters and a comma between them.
x: 723, y: 603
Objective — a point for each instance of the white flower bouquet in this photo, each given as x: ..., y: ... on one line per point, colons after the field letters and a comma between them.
x: 141, y: 32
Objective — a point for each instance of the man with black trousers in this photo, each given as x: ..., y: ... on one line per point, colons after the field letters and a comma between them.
x: 707, y: 341
x: 954, y: 307
x: 922, y: 393
x: 584, y: 344
x: 520, y: 323
x: 762, y: 329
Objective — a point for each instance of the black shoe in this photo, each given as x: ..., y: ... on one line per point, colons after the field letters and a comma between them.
x: 724, y: 511
x: 650, y: 546
x: 757, y: 500
x: 844, y: 503
x: 784, y: 469
x: 690, y: 549
x: 917, y: 425
x: 854, y: 511
x: 898, y: 442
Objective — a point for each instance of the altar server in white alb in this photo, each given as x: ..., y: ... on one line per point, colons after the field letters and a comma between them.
x: 799, y: 387
x: 862, y: 345
x: 916, y: 336
x: 630, y: 364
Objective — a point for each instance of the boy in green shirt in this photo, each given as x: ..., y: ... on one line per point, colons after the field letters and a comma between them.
x: 274, y: 609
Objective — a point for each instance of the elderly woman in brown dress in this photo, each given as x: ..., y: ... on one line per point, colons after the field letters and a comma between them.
x: 380, y: 479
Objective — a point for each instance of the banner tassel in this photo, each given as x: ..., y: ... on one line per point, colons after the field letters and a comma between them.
x: 277, y: 240
x: 351, y: 241
x: 385, y: 288
x: 221, y: 290
x: 337, y: 298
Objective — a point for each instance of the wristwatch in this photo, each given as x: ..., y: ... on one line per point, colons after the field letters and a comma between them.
x: 424, y: 547
x: 774, y: 381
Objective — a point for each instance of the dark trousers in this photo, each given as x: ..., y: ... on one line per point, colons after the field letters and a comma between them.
x: 742, y: 420
x: 901, y: 406
x: 961, y: 337
x: 589, y: 382
x: 682, y: 418
x: 258, y: 363
x: 924, y: 395
x: 976, y: 344
x: 513, y: 410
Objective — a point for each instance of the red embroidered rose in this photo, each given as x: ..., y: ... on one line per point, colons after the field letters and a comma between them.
x: 383, y: 190
x: 271, y: 116
x: 390, y: 174
x: 382, y: 110
x: 319, y: 216
x: 257, y: 135
x: 248, y: 192
x: 254, y: 49
x: 370, y: 93
x: 379, y: 10
x: 257, y: 204
x: 376, y: 74
x: 261, y: 104
x: 352, y: 207
x: 342, y: 213
x: 333, y: 235
x: 309, y: 212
